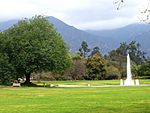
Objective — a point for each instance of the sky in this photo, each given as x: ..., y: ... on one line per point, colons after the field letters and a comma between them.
x: 82, y: 14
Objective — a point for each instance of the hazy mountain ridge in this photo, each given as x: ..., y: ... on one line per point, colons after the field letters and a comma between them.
x: 74, y: 36
x: 137, y: 32
x: 7, y: 24
x: 144, y: 39
x: 105, y: 39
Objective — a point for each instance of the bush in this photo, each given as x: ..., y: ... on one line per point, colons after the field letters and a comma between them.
x: 113, y: 73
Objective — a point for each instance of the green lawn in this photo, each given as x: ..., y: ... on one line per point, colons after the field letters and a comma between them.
x: 94, y: 82
x: 75, y: 100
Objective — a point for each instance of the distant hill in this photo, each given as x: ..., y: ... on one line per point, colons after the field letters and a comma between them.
x: 74, y: 36
x: 105, y: 39
x: 144, y: 39
x: 7, y: 24
x: 137, y: 32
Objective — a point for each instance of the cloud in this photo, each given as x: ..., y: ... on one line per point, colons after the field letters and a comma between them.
x: 108, y: 24
x: 23, y: 8
x: 104, y: 14
x: 99, y: 10
x: 84, y: 14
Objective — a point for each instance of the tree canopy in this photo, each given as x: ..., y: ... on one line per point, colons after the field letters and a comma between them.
x: 96, y: 67
x: 33, y: 45
x: 117, y: 57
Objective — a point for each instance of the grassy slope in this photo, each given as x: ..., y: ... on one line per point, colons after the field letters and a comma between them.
x: 75, y: 100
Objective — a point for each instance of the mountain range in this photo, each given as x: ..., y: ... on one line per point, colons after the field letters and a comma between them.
x: 106, y: 40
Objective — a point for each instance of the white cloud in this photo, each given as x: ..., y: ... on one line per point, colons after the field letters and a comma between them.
x: 79, y: 13
x: 108, y: 24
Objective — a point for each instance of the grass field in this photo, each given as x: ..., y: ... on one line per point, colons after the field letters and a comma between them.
x: 93, y: 83
x: 75, y: 100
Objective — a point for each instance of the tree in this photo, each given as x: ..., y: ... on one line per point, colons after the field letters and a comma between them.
x: 136, y: 54
x: 135, y: 70
x: 33, y: 45
x: 144, y: 69
x: 84, y: 49
x: 117, y: 57
x: 133, y: 48
x: 112, y: 72
x: 117, y: 60
x: 7, y: 71
x: 96, y: 67
x: 95, y: 50
x: 78, y: 69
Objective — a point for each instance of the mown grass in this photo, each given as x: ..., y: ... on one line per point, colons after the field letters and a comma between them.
x: 75, y: 100
x: 94, y: 82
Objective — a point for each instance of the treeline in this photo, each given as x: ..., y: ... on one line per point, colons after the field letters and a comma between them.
x: 92, y: 65
x: 33, y: 48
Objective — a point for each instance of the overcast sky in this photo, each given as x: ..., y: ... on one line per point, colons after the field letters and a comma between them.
x: 83, y: 14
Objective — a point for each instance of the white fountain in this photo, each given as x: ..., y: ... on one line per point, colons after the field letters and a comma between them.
x: 129, y: 81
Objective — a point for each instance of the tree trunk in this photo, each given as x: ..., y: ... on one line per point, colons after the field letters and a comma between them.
x: 27, y: 78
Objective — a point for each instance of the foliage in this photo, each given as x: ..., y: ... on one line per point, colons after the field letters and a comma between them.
x: 79, y: 69
x: 7, y: 71
x: 112, y: 72
x: 134, y: 50
x: 84, y: 50
x: 95, y: 50
x: 117, y: 61
x: 33, y: 45
x: 136, y: 54
x: 117, y: 57
x: 144, y: 69
x: 96, y: 67
x: 135, y: 70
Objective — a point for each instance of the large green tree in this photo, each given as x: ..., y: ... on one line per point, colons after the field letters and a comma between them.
x: 33, y: 45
